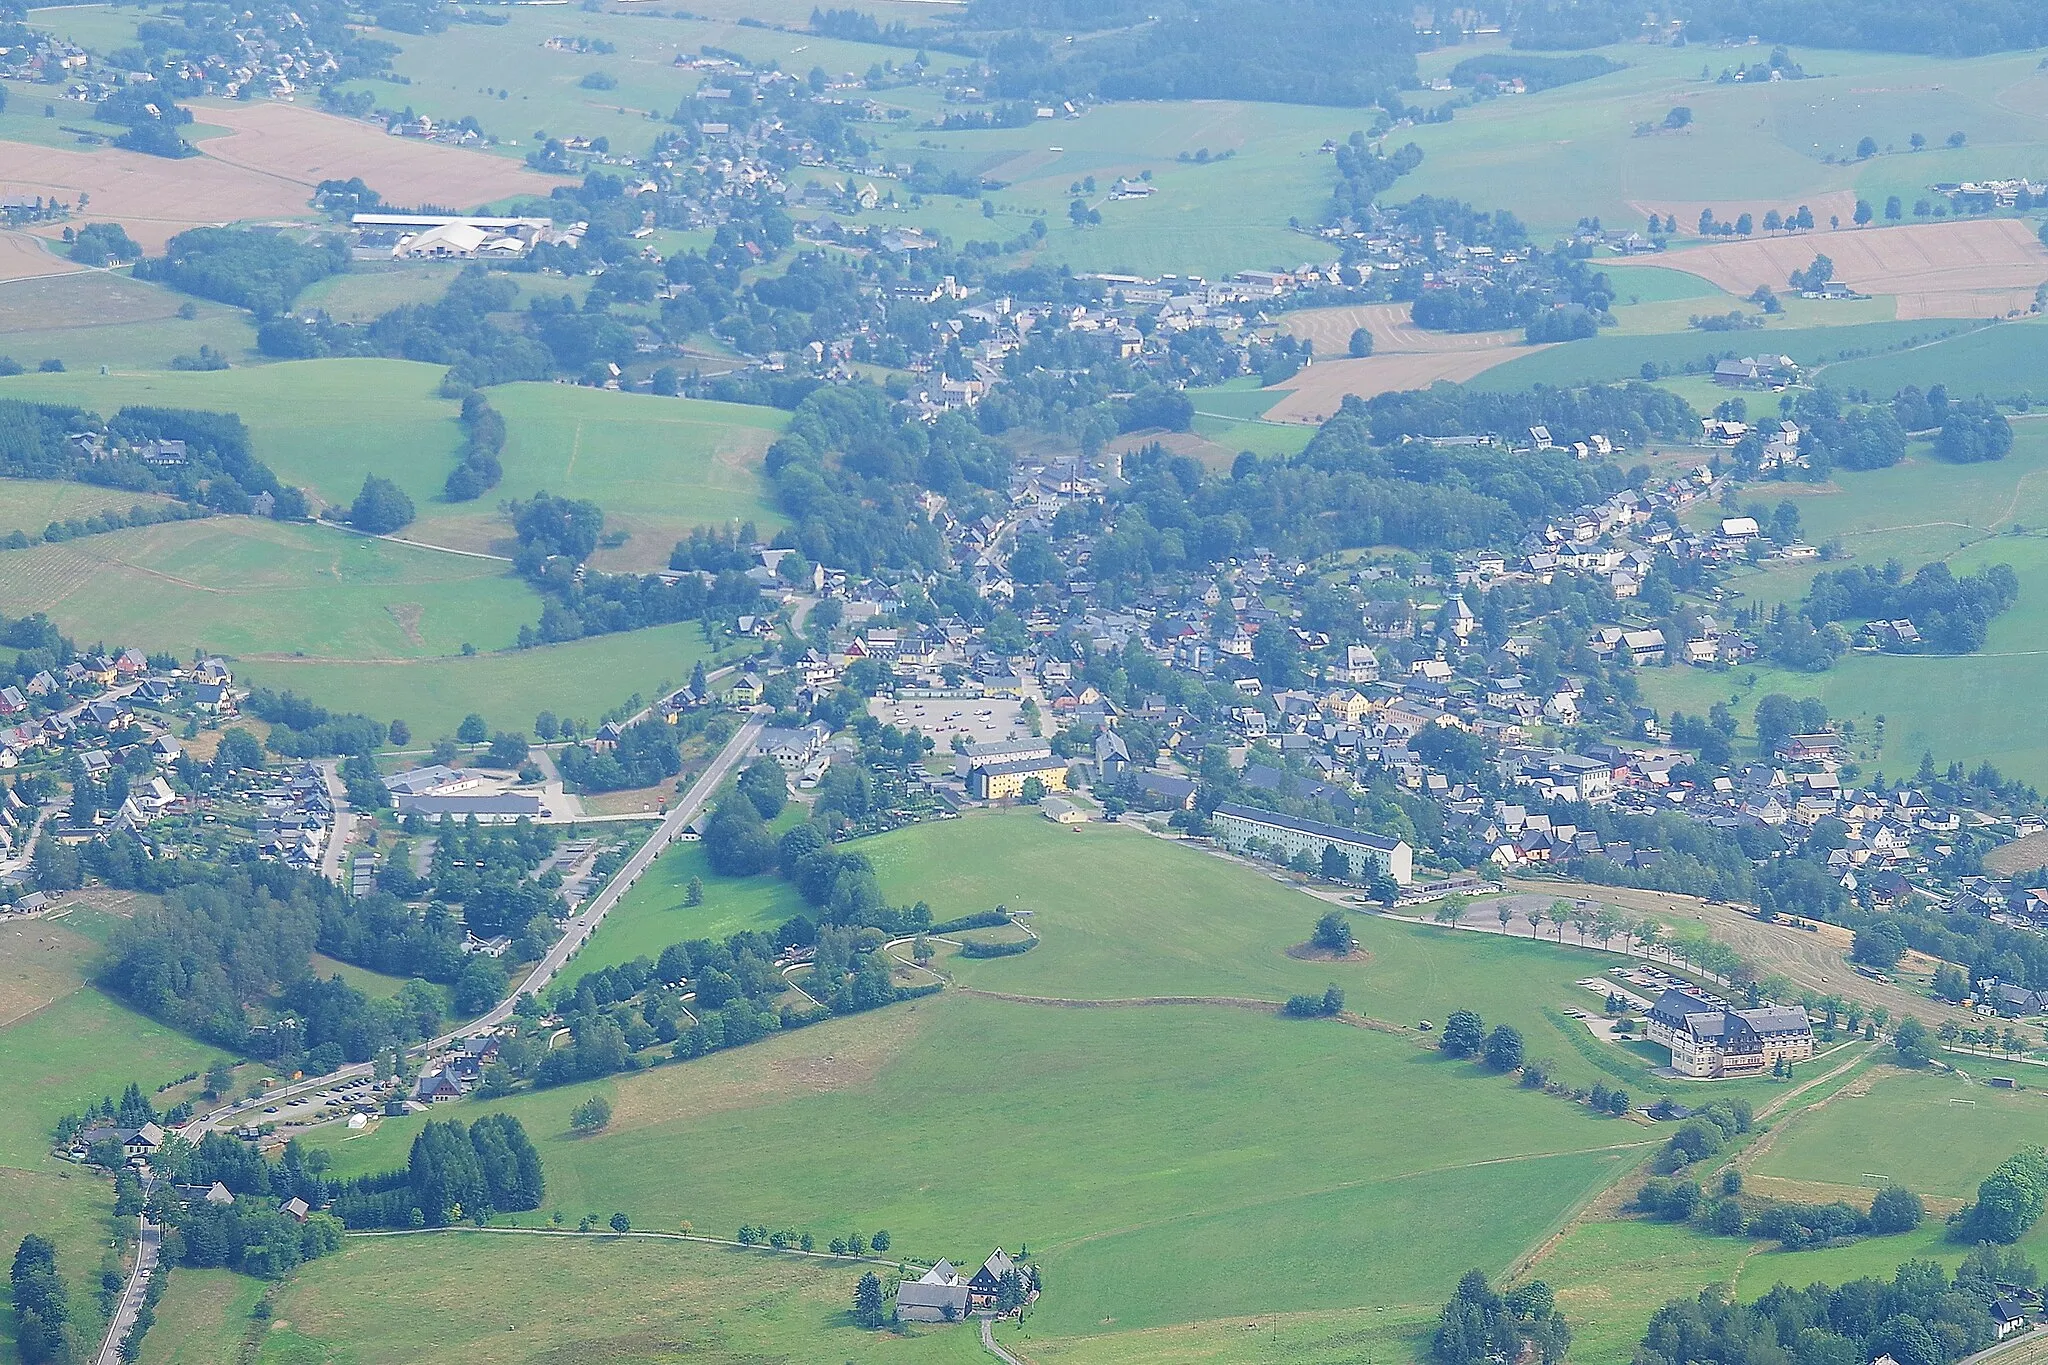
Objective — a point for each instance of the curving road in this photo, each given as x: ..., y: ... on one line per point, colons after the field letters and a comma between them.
x: 575, y: 933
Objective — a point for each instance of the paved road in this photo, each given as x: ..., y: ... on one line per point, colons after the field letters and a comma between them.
x: 584, y: 923
x: 150, y: 1241
x: 988, y: 1343
x: 575, y: 934
x: 337, y: 837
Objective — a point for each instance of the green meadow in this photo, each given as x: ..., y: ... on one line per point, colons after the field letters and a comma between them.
x: 318, y: 424
x: 583, y: 678
x: 247, y: 586
x: 1614, y: 356
x: 1969, y: 708
x: 1169, y: 1164
x: 104, y: 317
x: 1572, y: 152
x: 2002, y: 361
x: 652, y: 915
x: 31, y: 504
x: 657, y: 465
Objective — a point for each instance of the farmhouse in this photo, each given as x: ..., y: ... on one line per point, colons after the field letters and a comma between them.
x: 939, y: 1295
x: 1004, y: 781
x: 1237, y: 826
x: 1713, y: 1041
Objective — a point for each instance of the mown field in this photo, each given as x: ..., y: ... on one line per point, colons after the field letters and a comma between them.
x: 98, y: 317
x: 657, y: 465
x: 1170, y: 1164
x: 29, y: 505
x: 1200, y: 1182
x: 1556, y: 156
x: 321, y: 425
x: 652, y: 915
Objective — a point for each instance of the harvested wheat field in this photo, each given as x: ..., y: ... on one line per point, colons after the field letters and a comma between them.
x: 1972, y: 268
x: 304, y: 147
x: 1329, y: 330
x: 23, y: 257
x: 153, y: 198
x: 265, y: 168
x: 1404, y: 357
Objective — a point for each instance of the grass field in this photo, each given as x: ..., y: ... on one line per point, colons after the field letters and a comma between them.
x: 637, y: 1300
x: 658, y: 466
x: 102, y: 317
x: 318, y: 424
x: 31, y: 504
x: 370, y: 289
x: 246, y: 586
x: 201, y: 1313
x: 652, y: 915
x: 1938, y: 1135
x: 2000, y: 361
x: 1968, y: 708
x: 584, y: 678
x: 1202, y: 1138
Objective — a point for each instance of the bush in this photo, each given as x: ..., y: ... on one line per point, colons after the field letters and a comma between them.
x: 591, y: 1116
x: 1896, y: 1209
x: 1463, y: 1036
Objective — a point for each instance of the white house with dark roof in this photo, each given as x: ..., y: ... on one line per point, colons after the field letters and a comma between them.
x: 1238, y: 826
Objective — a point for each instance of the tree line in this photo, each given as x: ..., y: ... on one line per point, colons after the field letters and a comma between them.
x: 453, y: 1173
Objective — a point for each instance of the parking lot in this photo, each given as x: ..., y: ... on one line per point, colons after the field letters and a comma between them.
x: 984, y: 720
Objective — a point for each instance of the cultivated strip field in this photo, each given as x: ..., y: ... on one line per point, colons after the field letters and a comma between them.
x: 1985, y: 267
x: 1404, y: 357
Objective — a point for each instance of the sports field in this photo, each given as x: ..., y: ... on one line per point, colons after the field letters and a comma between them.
x: 266, y: 589
x: 1937, y: 1135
